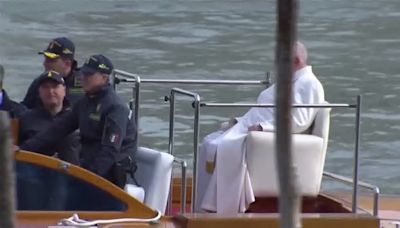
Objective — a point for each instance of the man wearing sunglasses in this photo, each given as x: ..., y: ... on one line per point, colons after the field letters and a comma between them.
x: 59, y: 57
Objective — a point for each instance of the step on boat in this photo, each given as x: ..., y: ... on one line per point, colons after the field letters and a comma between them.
x: 52, y: 191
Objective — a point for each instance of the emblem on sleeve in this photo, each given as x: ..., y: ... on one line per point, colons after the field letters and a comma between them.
x: 114, y: 138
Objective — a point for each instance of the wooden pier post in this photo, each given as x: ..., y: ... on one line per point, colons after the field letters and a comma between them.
x: 286, y: 37
x: 7, y: 183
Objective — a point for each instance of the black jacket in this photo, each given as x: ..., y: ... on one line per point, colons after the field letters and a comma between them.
x: 14, y: 109
x: 107, y: 131
x: 37, y: 120
x: 73, y: 89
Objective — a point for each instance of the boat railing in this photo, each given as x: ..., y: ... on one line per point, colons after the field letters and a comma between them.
x: 362, y: 184
x: 182, y: 209
x: 196, y: 129
x: 120, y: 76
x: 197, y: 105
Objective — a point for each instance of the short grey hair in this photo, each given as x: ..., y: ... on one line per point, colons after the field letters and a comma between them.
x: 301, y: 52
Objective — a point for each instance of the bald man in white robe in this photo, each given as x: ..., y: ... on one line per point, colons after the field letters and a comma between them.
x: 222, y: 155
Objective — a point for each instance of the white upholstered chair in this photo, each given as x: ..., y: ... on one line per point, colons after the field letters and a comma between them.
x: 308, y: 150
x: 154, y: 175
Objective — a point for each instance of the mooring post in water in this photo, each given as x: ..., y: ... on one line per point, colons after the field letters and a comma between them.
x: 7, y: 205
x: 286, y: 37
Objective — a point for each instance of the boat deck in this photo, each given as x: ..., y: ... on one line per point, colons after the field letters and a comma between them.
x: 233, y: 221
x: 389, y: 212
x: 389, y: 205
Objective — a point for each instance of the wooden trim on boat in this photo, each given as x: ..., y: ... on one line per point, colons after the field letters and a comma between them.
x: 321, y: 203
x: 317, y: 204
x: 134, y: 207
x: 272, y: 220
x: 339, y: 218
x: 218, y: 221
x: 389, y: 205
x: 176, y: 191
x: 339, y: 202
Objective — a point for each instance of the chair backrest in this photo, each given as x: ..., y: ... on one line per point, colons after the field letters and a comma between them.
x: 321, y: 123
x: 154, y: 175
x: 308, y: 155
x: 320, y: 128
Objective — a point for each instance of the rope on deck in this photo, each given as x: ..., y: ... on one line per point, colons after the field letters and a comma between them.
x: 74, y: 220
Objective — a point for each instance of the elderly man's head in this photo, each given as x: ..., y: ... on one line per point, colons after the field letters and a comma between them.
x: 300, y: 58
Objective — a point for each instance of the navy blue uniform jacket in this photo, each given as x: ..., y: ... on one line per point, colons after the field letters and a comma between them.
x: 107, y: 131
x: 37, y: 120
x: 14, y: 109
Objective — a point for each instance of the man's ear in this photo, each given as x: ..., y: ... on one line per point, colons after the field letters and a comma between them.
x: 296, y: 60
x: 106, y: 78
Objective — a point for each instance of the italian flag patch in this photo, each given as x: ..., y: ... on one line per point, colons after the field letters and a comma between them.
x: 114, y: 138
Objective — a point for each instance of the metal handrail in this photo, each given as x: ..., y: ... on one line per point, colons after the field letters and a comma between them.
x: 135, y: 90
x: 183, y: 187
x: 190, y: 81
x: 132, y: 77
x: 368, y: 186
x: 136, y: 96
x: 197, y: 106
x: 356, y: 154
x: 357, y: 106
x: 196, y: 130
x: 137, y: 80
x: 250, y: 105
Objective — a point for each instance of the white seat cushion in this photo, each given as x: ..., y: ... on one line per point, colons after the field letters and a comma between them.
x: 261, y: 159
x: 154, y: 175
x: 308, y: 151
x: 135, y: 191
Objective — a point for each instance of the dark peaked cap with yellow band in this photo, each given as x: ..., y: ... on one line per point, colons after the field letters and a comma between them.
x: 59, y: 47
x: 51, y: 75
x: 97, y: 63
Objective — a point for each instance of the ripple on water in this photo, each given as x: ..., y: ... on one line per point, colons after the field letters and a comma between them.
x: 178, y: 39
x: 142, y: 52
x: 380, y: 116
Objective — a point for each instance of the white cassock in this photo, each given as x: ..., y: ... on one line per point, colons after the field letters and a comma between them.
x: 229, y: 188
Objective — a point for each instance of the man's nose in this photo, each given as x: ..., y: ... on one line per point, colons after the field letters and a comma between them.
x: 52, y: 91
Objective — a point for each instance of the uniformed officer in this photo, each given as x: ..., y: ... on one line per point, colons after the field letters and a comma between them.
x: 52, y: 94
x: 58, y: 56
x: 107, y: 128
x: 13, y: 108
